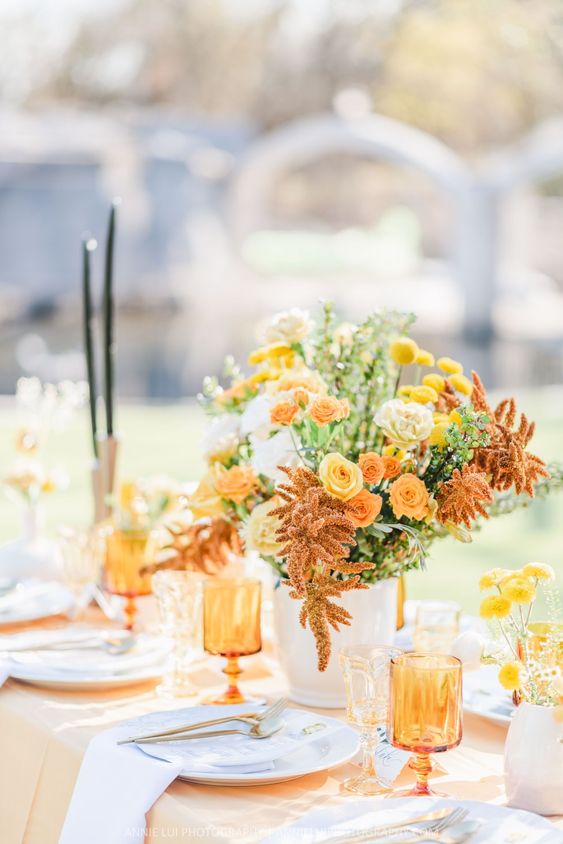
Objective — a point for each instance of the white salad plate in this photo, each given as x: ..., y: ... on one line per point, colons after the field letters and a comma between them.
x: 484, y: 696
x: 32, y: 600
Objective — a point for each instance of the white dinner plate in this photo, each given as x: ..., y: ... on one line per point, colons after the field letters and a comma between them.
x: 483, y: 695
x: 321, y: 754
x: 498, y: 824
x: 32, y: 600
x: 88, y: 669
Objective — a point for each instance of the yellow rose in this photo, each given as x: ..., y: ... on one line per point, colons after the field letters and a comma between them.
x: 206, y: 501
x: 449, y: 365
x: 340, y: 477
x: 437, y: 382
x: 424, y: 395
x: 403, y: 350
x: 424, y: 358
x: 461, y: 383
x: 409, y: 497
x: 260, y: 529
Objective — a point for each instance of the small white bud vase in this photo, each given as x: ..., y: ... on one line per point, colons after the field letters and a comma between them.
x: 533, y: 760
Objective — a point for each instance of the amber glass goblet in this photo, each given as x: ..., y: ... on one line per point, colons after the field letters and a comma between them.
x: 128, y: 552
x: 365, y: 669
x: 231, y: 627
x: 425, y: 711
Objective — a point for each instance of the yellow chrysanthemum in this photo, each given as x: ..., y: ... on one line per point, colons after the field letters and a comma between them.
x: 509, y: 676
x: 495, y: 606
x: 403, y: 350
x: 461, y: 383
x: 438, y: 434
x: 440, y: 417
x: 518, y: 589
x: 449, y: 365
x: 424, y: 395
x: 424, y: 358
x: 437, y: 382
x: 455, y: 416
x: 541, y: 571
x: 393, y: 451
x: 272, y: 352
x: 492, y: 578
x: 405, y: 390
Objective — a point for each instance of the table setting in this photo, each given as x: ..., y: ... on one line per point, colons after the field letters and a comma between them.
x: 234, y: 658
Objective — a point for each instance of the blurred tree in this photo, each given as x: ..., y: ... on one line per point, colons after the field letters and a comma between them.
x: 472, y: 72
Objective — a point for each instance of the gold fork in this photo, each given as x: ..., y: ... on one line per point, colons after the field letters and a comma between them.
x: 258, y: 731
x: 252, y: 718
x: 378, y: 832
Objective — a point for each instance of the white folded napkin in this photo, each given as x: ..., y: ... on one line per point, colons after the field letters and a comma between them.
x: 116, y: 787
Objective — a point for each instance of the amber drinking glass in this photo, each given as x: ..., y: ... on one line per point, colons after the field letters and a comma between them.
x: 128, y: 552
x: 231, y: 626
x: 365, y: 669
x: 424, y: 710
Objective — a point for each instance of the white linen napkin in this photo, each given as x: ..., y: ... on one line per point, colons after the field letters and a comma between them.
x: 116, y: 787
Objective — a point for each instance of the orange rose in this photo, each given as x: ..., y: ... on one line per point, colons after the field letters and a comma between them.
x: 284, y: 412
x: 391, y: 466
x: 301, y: 397
x: 364, y: 508
x: 409, y: 497
x: 325, y: 410
x: 236, y: 483
x: 372, y: 466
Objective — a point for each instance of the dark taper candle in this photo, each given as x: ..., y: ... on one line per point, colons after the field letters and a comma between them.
x: 108, y: 317
x: 88, y: 246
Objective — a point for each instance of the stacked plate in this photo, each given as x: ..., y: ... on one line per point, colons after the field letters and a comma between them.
x: 30, y: 600
x: 80, y: 658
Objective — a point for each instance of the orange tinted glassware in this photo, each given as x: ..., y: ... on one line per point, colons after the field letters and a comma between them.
x: 231, y: 626
x: 127, y: 554
x: 425, y: 710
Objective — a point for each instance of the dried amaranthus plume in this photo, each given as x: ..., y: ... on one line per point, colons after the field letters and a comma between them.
x: 505, y: 459
x: 205, y: 546
x: 317, y: 536
x: 447, y: 400
x: 461, y: 498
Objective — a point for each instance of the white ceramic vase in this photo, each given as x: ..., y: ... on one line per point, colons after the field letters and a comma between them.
x: 533, y: 760
x: 374, y: 619
x: 32, y: 555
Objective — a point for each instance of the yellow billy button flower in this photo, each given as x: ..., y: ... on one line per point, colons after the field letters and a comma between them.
x: 509, y: 676
x: 440, y: 417
x: 424, y: 358
x: 449, y: 365
x: 403, y: 350
x: 438, y: 434
x: 455, y: 416
x: 518, y: 589
x: 542, y: 572
x: 405, y: 390
x: 495, y: 606
x: 424, y: 395
x: 492, y: 578
x: 461, y: 383
x: 436, y: 381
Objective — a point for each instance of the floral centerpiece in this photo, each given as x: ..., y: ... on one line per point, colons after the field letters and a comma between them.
x: 348, y: 450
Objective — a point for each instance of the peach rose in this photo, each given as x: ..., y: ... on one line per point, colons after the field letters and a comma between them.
x: 364, y: 508
x: 409, y: 497
x: 327, y: 409
x: 344, y: 408
x: 372, y: 466
x: 284, y: 412
x: 236, y: 483
x: 340, y: 477
x: 301, y: 397
x: 391, y: 466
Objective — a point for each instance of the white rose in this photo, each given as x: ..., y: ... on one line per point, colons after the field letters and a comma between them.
x: 469, y: 648
x: 260, y: 529
x: 288, y: 327
x: 256, y: 416
x: 405, y: 424
x: 221, y: 434
x: 278, y: 450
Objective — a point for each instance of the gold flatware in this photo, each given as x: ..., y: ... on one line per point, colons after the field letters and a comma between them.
x: 455, y: 834
x: 251, y: 718
x: 439, y: 820
x: 111, y: 644
x: 258, y: 731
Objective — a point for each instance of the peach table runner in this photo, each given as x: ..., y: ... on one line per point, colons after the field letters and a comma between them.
x: 44, y: 735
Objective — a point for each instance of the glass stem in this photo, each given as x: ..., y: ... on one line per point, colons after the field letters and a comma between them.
x: 369, y: 743
x: 422, y: 766
x: 233, y: 670
x: 130, y: 613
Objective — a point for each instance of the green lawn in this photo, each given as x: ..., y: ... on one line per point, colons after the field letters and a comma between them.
x: 158, y: 439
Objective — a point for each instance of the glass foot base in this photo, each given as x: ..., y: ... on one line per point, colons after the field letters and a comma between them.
x: 172, y: 691
x: 228, y: 699
x: 419, y: 792
x: 367, y: 786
